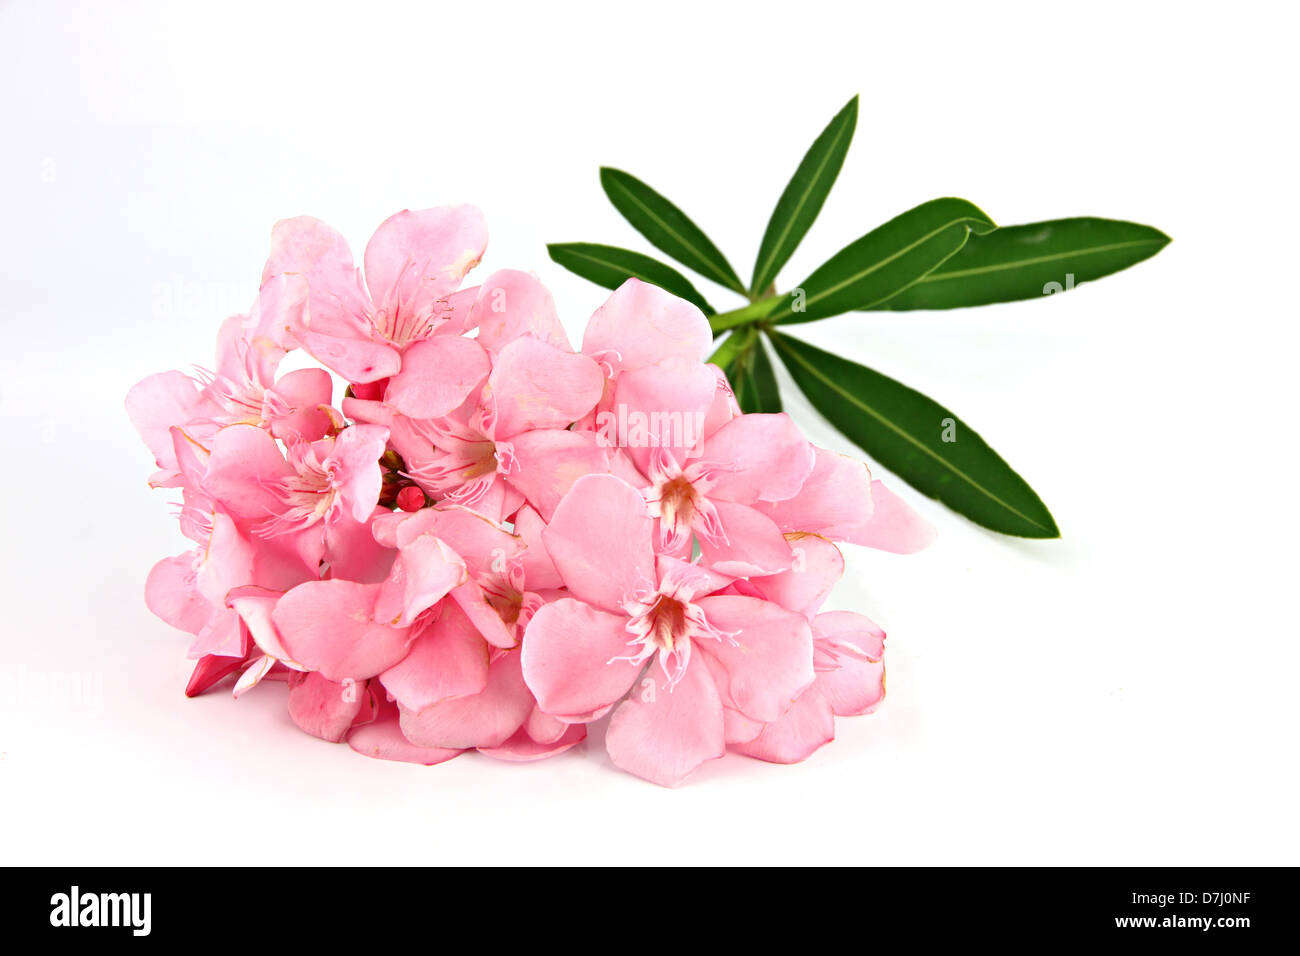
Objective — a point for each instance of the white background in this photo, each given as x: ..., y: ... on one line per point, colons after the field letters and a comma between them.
x: 1123, y: 695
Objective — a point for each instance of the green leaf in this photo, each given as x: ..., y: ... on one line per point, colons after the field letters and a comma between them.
x: 1025, y: 262
x: 667, y: 227
x: 884, y: 262
x: 610, y: 266
x: 804, y: 196
x: 905, y: 431
x: 752, y: 377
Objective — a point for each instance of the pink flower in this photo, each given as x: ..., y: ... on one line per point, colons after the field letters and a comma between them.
x: 629, y: 609
x: 413, y: 266
x: 498, y: 540
x: 506, y: 439
x: 302, y: 493
x: 243, y: 389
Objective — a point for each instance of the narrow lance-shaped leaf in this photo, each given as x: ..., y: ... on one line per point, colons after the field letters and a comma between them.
x: 610, y: 266
x: 762, y: 393
x: 667, y: 227
x: 804, y: 196
x: 884, y: 262
x: 751, y: 376
x: 918, y: 439
x: 1025, y: 262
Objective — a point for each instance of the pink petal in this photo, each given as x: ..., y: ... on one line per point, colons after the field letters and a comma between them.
x: 511, y: 304
x: 739, y: 728
x: 724, y: 407
x: 857, y: 685
x: 359, y: 357
x: 599, y: 541
x: 255, y: 606
x: 354, y: 554
x: 754, y: 545
x: 549, y: 460
x: 764, y: 457
x: 449, y: 659
x: 816, y: 568
x: 571, y: 659
x: 414, y: 259
x: 539, y: 571
x: 894, y: 526
x: 487, y: 719
x: 425, y: 571
x: 382, y: 738
x: 158, y: 403
x: 302, y: 393
x: 437, y: 376
x: 770, y: 662
x: 661, y: 406
x: 662, y: 734
x: 544, y: 728
x: 244, y: 470
x: 522, y: 748
x: 479, y: 541
x: 807, y: 725
x: 472, y: 600
x: 536, y: 385
x: 338, y: 330
x: 171, y: 593
x: 329, y: 626
x: 355, y: 458
x: 641, y: 324
x: 221, y: 636
x: 835, y: 501
x: 323, y: 708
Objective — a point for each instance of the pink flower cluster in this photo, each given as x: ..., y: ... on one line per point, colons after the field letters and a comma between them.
x: 493, y: 540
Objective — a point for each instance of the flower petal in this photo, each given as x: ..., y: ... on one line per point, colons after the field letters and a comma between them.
x: 816, y: 567
x: 857, y: 685
x: 329, y: 626
x: 599, y: 541
x: 382, y: 739
x: 521, y: 747
x: 641, y: 324
x: 770, y: 662
x: 571, y: 659
x: 663, y: 734
x: 437, y: 375
x: 536, y: 385
x: 449, y: 659
x: 762, y: 457
x: 415, y: 259
x: 754, y: 544
x: 894, y: 525
x: 548, y: 461
x: 807, y: 725
x: 661, y: 409
x: 510, y: 304
x: 323, y: 708
x: 486, y: 719
x: 835, y: 501
x: 171, y: 593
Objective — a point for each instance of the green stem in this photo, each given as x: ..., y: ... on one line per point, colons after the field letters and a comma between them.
x: 743, y: 316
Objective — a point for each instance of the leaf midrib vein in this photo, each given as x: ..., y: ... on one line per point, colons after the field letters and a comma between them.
x: 1002, y: 267
x: 879, y: 264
